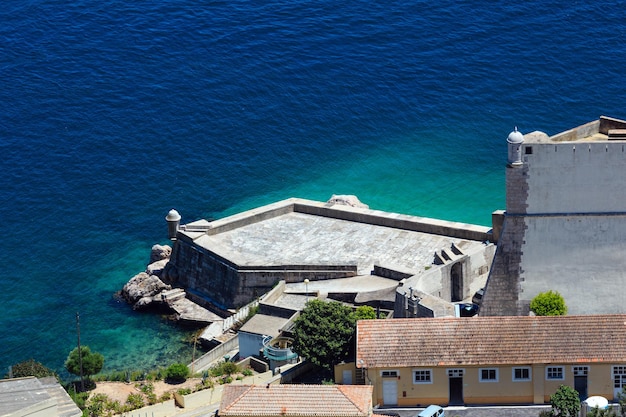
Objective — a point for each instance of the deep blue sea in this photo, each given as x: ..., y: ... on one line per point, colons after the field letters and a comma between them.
x: 114, y: 112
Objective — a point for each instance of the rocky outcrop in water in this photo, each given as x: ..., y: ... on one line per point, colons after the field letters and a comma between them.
x: 148, y: 290
x: 142, y: 290
x: 346, y: 200
x: 160, y: 253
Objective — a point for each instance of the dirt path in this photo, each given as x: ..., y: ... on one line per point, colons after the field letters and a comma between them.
x: 119, y: 390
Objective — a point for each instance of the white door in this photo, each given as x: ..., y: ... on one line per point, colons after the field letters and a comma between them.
x: 390, y: 392
x: 347, y: 377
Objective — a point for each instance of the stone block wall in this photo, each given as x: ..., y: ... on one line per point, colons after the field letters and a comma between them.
x: 230, y: 286
x: 503, y: 285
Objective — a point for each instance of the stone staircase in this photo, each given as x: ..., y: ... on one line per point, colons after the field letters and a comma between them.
x: 448, y: 255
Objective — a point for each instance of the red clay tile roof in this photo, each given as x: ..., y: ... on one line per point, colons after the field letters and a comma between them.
x: 491, y: 340
x: 296, y: 400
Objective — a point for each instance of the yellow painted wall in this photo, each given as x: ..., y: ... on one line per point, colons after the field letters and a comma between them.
x: 344, y: 367
x: 505, y: 391
x: 599, y: 383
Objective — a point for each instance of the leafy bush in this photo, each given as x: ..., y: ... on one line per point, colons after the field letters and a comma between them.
x: 102, y: 406
x: 247, y: 372
x: 549, y: 303
x: 79, y: 398
x: 177, y: 372
x: 565, y: 402
x: 225, y: 368
x: 30, y: 368
x: 134, y: 401
x: 597, y: 412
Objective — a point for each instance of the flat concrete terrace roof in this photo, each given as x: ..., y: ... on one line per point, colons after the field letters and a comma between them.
x: 603, y: 129
x: 303, y: 232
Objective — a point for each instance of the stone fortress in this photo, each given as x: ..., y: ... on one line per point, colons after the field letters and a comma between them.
x: 348, y: 253
x: 563, y: 229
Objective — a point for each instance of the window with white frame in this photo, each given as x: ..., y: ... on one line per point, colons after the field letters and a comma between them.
x: 488, y: 374
x: 580, y: 370
x: 522, y: 373
x: 619, y: 376
x: 389, y: 374
x: 422, y: 376
x: 554, y: 372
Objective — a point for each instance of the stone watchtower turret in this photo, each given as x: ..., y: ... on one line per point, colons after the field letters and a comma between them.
x: 515, y: 141
x: 502, y: 291
x: 516, y: 187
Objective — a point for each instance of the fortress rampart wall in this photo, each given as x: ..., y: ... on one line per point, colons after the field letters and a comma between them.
x: 353, y: 214
x: 569, y: 178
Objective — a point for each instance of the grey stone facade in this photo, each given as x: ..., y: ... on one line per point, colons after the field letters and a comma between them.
x: 564, y: 224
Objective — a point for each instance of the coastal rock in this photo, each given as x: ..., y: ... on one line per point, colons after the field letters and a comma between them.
x: 159, y: 253
x: 156, y: 268
x: 141, y: 286
x: 143, y: 303
x: 346, y: 200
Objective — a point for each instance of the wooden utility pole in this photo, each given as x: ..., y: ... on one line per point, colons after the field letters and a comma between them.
x: 80, y: 354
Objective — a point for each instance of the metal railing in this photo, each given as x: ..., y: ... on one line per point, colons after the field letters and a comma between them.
x: 278, y: 349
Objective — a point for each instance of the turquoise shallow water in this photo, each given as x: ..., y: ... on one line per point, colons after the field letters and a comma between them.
x: 112, y: 113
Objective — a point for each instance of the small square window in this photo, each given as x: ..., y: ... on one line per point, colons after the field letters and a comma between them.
x: 521, y: 374
x: 489, y: 375
x: 554, y: 372
x: 528, y: 150
x: 422, y: 376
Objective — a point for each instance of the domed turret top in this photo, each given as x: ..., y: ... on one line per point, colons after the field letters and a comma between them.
x: 515, y: 136
x: 172, y: 216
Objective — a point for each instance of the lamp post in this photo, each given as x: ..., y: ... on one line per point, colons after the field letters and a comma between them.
x: 306, y: 288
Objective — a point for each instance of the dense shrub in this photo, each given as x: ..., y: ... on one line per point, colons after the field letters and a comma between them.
x: 177, y: 372
x: 565, y: 402
x: 30, y: 368
x: 549, y: 303
x: 100, y: 405
x: 134, y: 401
x: 225, y: 368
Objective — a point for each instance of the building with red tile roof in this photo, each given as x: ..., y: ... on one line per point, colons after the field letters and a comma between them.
x: 296, y: 401
x: 490, y: 360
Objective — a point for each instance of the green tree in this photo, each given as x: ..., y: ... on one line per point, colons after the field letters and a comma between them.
x: 30, y: 368
x: 549, y: 303
x: 92, y: 362
x: 565, y: 402
x: 324, y: 331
